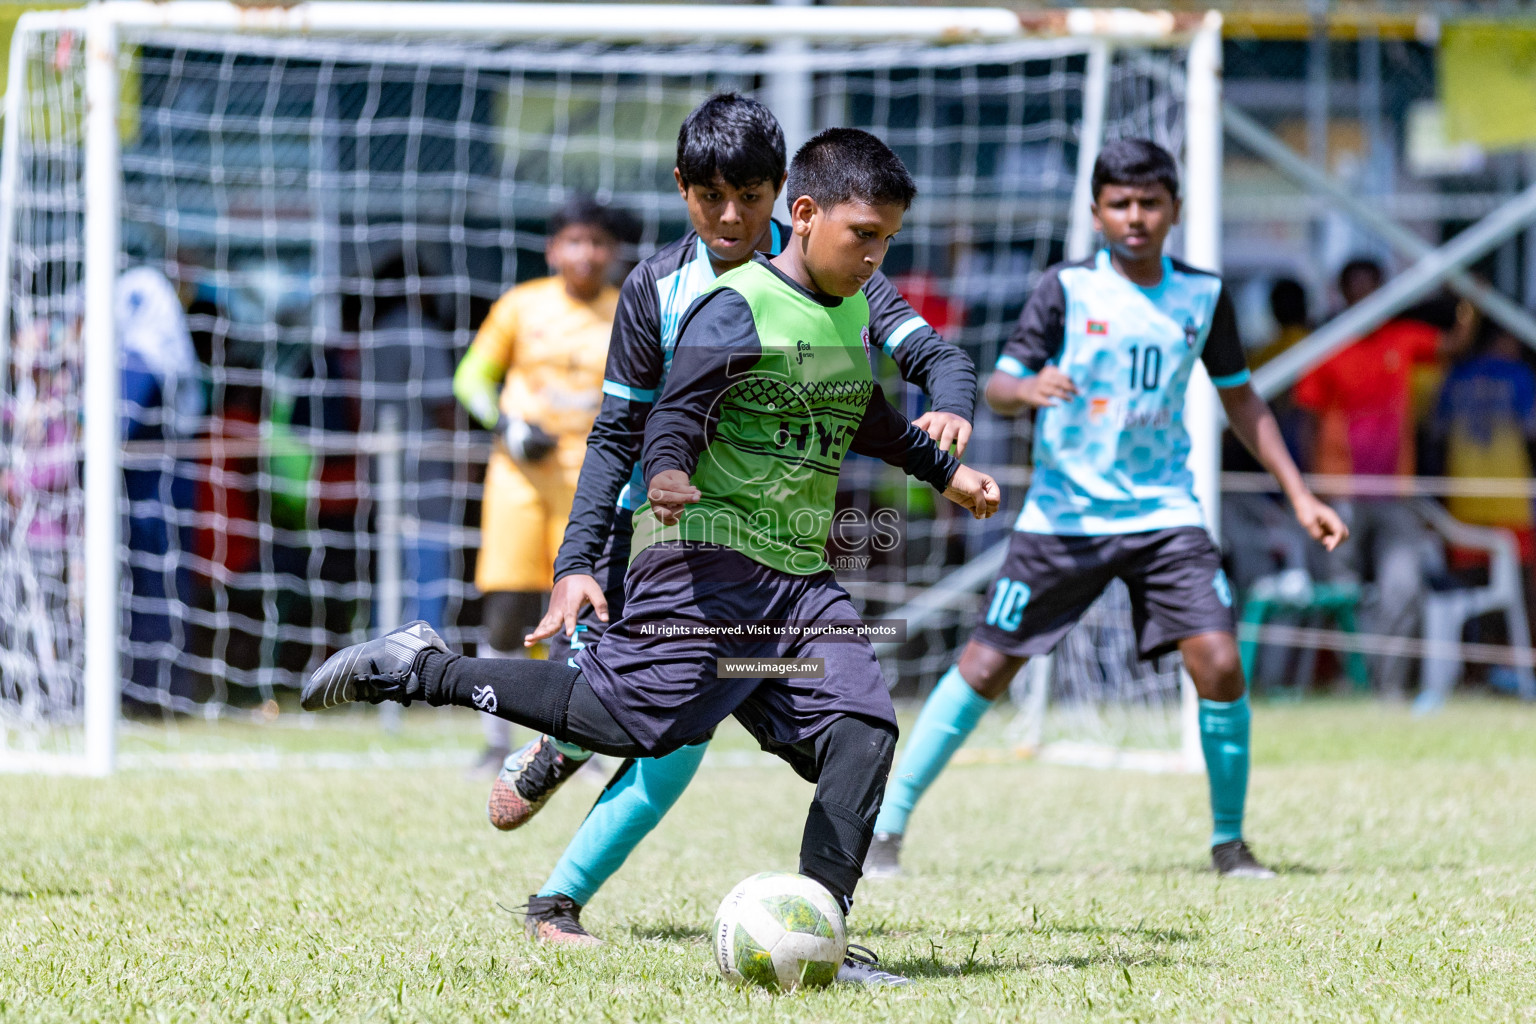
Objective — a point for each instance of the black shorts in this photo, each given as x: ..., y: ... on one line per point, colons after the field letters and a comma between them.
x: 1177, y: 587
x: 609, y: 572
x: 665, y: 690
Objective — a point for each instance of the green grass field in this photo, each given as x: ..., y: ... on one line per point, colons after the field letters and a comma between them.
x: 309, y: 893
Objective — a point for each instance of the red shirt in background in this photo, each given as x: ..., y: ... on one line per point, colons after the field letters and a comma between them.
x: 925, y: 294
x: 1363, y: 399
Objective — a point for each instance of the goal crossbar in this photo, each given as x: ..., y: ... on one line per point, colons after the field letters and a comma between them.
x: 650, y: 23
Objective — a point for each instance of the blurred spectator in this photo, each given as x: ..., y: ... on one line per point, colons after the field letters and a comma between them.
x: 1486, y: 418
x: 40, y: 423
x: 162, y: 401
x: 40, y: 503
x: 1362, y: 405
x: 1260, y: 534
x: 1288, y: 305
x: 534, y: 376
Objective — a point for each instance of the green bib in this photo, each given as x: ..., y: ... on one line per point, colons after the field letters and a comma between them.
x: 769, y: 476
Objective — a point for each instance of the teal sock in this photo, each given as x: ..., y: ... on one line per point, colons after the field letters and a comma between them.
x: 948, y: 717
x: 626, y: 813
x: 1224, y: 732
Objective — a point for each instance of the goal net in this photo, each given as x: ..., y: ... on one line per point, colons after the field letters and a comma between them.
x: 273, y: 247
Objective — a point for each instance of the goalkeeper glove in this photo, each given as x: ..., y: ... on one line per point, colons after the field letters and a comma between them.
x: 524, y: 441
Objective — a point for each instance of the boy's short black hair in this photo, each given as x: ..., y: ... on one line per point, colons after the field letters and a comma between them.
x: 840, y: 165
x: 1288, y: 302
x: 588, y: 211
x: 1361, y: 265
x: 1135, y: 162
x: 732, y: 136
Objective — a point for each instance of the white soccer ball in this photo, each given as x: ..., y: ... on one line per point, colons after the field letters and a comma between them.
x: 779, y: 931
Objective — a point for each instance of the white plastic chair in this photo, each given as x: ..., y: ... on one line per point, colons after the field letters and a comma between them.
x: 1446, y: 612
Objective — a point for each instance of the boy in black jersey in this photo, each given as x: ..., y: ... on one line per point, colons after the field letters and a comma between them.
x: 730, y: 167
x: 742, y: 462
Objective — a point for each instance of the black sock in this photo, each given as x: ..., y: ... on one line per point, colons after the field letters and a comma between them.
x: 853, y: 758
x: 549, y: 696
x: 528, y: 692
x: 833, y: 847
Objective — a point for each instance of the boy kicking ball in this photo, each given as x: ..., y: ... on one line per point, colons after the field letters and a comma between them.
x: 730, y: 170
x: 1104, y: 350
x: 769, y: 389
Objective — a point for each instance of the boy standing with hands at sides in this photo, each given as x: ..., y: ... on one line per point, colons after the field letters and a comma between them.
x: 1104, y: 351
x: 770, y: 388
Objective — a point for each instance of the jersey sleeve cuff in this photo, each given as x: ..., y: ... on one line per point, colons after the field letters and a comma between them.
x: 1233, y: 380
x: 1013, y: 367
x: 624, y: 391
x: 903, y: 331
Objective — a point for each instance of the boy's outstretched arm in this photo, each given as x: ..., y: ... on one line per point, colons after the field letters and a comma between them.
x: 1255, y: 426
x: 886, y: 435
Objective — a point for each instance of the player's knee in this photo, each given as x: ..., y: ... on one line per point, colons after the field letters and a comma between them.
x: 883, y: 746
x: 858, y: 747
x: 988, y: 671
x: 1215, y: 666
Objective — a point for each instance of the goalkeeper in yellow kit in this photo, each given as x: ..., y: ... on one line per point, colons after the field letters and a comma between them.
x: 534, y: 376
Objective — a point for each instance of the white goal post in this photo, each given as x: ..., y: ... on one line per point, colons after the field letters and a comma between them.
x: 802, y: 40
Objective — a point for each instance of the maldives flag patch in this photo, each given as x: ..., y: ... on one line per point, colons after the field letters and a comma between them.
x: 1098, y: 326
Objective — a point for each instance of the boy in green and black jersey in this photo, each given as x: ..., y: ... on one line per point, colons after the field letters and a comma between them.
x: 769, y: 389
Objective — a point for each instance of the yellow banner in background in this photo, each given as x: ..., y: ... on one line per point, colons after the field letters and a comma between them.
x: 1488, y: 82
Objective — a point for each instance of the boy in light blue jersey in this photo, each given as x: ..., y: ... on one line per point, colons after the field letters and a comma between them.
x: 1104, y: 350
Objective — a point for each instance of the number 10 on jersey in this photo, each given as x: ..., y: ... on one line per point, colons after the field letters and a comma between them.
x: 1146, y: 367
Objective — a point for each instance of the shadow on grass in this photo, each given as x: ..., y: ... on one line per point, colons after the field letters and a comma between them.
x: 1282, y: 868
x: 1042, y: 928
x: 48, y: 892
x: 42, y: 894
x: 1005, y: 963
x: 1134, y: 931
x: 668, y: 932
x: 1107, y: 958
x: 1287, y: 867
x: 926, y: 967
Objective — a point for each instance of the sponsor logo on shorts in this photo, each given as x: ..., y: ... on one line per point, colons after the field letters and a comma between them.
x: 1222, y: 587
x: 484, y: 698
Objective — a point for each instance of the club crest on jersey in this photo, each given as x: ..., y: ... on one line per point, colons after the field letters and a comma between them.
x: 1098, y: 407
x: 864, y: 337
x: 1098, y: 326
x: 1190, y: 330
x: 484, y: 698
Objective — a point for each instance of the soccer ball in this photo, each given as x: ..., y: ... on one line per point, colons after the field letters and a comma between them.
x: 779, y: 931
